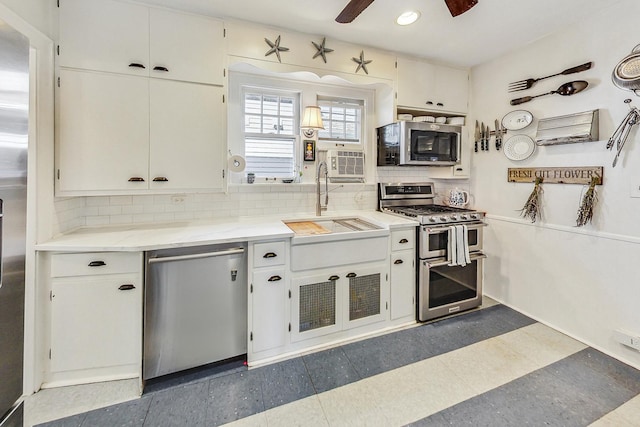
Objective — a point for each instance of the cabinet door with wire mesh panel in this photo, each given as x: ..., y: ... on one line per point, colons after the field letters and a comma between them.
x: 366, y: 299
x: 315, y: 305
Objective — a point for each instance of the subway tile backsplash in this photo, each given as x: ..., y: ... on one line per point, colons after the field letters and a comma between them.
x: 243, y: 200
x: 240, y: 200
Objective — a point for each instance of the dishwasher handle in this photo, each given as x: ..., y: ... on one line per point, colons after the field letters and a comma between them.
x: 232, y: 251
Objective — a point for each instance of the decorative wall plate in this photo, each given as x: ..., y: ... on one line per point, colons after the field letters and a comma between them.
x: 516, y: 120
x: 519, y: 147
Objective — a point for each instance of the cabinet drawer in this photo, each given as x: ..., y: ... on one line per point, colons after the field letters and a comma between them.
x: 270, y: 253
x: 403, y: 239
x: 92, y: 263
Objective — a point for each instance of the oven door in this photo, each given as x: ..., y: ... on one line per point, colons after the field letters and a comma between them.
x: 434, y: 240
x: 445, y: 289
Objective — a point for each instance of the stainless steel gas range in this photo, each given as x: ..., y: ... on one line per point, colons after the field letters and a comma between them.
x: 450, y: 258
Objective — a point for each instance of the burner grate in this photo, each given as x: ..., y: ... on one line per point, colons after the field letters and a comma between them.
x: 426, y: 210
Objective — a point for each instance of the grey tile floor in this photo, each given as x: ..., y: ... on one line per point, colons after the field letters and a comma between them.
x: 575, y: 386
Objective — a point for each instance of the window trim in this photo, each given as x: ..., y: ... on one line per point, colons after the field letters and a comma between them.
x: 309, y: 87
x: 335, y: 101
x: 270, y: 91
x: 289, y: 138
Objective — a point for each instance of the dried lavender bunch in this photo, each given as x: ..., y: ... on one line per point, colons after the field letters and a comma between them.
x: 532, y: 209
x: 585, y: 211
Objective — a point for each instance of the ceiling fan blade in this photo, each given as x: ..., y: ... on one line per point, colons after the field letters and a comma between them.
x: 352, y: 10
x: 458, y: 7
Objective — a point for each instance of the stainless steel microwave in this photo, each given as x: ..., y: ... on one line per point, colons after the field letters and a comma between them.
x: 419, y: 144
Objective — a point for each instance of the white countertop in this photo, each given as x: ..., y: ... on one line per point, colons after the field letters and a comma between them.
x: 142, y: 237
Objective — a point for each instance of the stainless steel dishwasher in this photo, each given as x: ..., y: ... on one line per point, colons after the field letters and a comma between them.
x: 195, y: 309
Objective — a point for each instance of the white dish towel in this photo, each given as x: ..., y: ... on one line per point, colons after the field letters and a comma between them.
x: 458, y: 246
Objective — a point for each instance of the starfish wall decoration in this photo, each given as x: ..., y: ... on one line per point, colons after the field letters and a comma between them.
x: 362, y: 63
x: 275, y: 48
x: 322, y: 50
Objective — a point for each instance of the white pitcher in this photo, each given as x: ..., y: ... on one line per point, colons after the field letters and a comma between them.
x: 458, y: 198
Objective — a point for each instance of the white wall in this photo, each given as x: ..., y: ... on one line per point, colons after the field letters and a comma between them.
x: 38, y: 13
x: 582, y: 281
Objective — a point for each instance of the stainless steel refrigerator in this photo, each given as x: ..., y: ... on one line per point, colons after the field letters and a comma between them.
x: 14, y: 119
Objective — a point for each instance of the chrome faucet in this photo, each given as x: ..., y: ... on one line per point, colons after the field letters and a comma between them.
x: 319, y: 206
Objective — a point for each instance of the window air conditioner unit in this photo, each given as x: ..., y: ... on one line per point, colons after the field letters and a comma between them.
x: 345, y: 165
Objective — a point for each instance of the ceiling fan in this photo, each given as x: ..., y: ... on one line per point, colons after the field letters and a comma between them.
x: 355, y: 7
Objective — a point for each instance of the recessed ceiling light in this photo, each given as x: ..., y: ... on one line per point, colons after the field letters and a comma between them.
x: 408, y: 17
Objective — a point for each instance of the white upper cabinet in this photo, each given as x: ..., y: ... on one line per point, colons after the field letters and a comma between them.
x: 187, y: 126
x: 186, y: 47
x: 114, y: 36
x: 104, y: 125
x: 452, y: 89
x: 104, y: 35
x: 416, y: 82
x: 140, y: 100
x: 127, y: 134
x: 430, y: 87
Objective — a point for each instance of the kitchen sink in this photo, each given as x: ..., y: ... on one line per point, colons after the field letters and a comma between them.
x: 333, y: 229
x: 330, y: 226
x: 329, y: 242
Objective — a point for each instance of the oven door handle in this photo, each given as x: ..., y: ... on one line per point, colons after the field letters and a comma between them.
x: 440, y: 228
x: 440, y: 262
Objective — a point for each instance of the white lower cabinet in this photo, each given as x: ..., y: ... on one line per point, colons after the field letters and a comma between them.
x: 95, y: 322
x: 335, y: 300
x: 268, y: 299
x: 403, y: 284
x: 269, y: 295
x: 403, y: 274
x: 315, y: 305
x: 96, y: 317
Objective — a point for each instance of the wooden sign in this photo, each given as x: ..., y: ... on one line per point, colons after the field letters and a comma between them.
x: 567, y: 175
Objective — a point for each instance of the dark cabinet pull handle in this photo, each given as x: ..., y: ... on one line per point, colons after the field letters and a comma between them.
x: 270, y: 255
x: 351, y: 275
x: 136, y: 65
x: 160, y: 179
x: 159, y: 68
x: 429, y: 102
x: 334, y: 277
x: 126, y: 287
x: 398, y: 261
x: 274, y: 278
x: 97, y: 264
x: 403, y: 241
x: 440, y: 104
x: 136, y: 179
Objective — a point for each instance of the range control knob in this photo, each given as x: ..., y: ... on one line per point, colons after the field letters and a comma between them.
x: 464, y: 217
x: 474, y: 216
x: 432, y: 219
x: 454, y: 217
x: 443, y: 218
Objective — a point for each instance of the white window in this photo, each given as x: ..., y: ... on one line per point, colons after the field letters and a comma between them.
x: 270, y: 129
x: 342, y: 120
